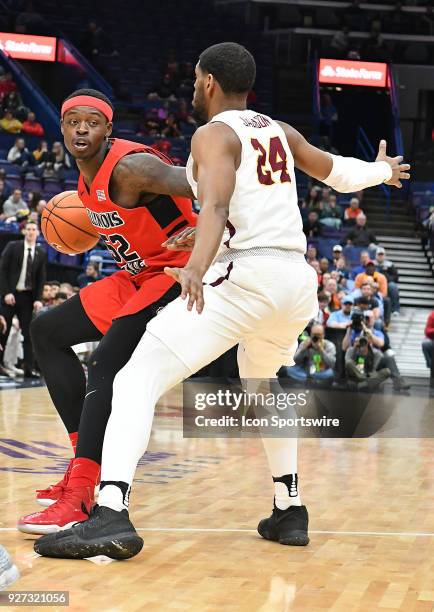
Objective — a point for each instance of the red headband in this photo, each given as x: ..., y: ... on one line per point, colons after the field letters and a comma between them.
x: 88, y: 101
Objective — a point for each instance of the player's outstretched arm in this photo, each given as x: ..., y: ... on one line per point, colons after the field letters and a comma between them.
x: 216, y: 151
x: 345, y: 174
x: 144, y: 173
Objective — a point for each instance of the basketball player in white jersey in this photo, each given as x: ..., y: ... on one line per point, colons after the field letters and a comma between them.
x: 247, y: 283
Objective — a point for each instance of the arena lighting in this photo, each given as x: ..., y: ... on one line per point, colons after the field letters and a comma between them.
x: 28, y: 46
x: 346, y: 72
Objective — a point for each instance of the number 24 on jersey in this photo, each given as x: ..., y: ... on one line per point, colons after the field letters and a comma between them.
x: 273, y: 157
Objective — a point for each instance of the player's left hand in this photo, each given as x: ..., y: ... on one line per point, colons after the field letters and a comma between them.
x: 184, y: 241
x: 191, y: 285
x: 399, y: 170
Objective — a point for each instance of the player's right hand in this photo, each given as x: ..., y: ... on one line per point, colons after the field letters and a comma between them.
x: 184, y: 241
x: 10, y: 299
x: 399, y: 170
x: 191, y: 285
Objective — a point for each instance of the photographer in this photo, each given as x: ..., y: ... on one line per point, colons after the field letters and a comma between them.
x: 362, y: 334
x: 362, y: 363
x: 315, y: 358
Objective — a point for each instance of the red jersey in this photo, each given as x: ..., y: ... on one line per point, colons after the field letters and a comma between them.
x: 134, y: 235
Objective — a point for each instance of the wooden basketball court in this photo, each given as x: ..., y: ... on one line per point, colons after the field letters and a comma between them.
x: 197, y: 502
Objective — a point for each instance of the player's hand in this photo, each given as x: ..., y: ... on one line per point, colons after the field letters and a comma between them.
x: 37, y: 306
x: 3, y: 325
x: 399, y: 170
x: 184, y: 241
x: 10, y: 299
x: 191, y: 285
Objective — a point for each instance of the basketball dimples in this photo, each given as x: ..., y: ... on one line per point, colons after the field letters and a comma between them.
x: 66, y: 226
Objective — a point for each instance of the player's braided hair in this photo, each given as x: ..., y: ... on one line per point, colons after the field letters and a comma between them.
x: 232, y: 66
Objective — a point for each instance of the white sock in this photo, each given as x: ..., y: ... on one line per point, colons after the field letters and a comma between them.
x: 281, y: 452
x: 282, y: 459
x: 113, y: 497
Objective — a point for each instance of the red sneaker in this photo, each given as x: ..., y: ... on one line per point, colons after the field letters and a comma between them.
x: 73, y: 507
x: 46, y: 497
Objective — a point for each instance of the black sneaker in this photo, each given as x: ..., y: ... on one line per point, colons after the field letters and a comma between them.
x: 286, y: 526
x: 107, y: 532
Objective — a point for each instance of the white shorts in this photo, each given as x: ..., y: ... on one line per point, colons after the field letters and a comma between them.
x: 261, y: 302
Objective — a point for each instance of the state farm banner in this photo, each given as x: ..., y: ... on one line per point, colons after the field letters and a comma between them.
x: 27, y: 46
x: 346, y: 72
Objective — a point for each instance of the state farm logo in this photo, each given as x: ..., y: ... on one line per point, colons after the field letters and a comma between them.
x: 23, y: 46
x: 352, y: 73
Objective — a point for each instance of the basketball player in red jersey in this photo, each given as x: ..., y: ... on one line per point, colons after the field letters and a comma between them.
x: 127, y: 189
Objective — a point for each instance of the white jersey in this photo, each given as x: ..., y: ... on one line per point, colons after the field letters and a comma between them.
x: 263, y: 210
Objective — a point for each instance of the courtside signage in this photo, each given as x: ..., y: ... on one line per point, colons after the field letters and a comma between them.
x: 345, y: 72
x: 24, y: 46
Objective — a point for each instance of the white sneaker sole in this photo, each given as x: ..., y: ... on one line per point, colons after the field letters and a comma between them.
x: 42, y: 529
x: 8, y: 577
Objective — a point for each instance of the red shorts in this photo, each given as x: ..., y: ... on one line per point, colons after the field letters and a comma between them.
x: 120, y: 295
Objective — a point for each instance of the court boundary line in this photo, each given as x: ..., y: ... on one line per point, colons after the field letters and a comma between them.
x: 222, y: 530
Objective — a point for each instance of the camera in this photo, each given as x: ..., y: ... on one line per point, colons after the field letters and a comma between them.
x: 357, y: 319
x: 363, y: 342
x: 315, y: 339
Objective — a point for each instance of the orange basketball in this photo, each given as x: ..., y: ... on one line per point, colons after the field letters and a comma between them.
x: 66, y: 225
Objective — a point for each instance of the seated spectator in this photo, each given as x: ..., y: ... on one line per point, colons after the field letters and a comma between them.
x: 331, y: 287
x: 362, y: 362
x: 428, y: 343
x: 166, y: 88
x: 10, y: 124
x: 386, y: 267
x: 376, y: 339
x: 14, y: 103
x: 19, y: 153
x: 311, y: 253
x: 361, y: 235
x: 341, y: 266
x: 367, y: 300
x: 323, y: 312
x: 58, y: 162
x: 41, y: 154
x: 184, y: 114
x: 7, y: 84
x: 371, y: 273
x: 364, y: 258
x: 31, y: 126
x: 171, y: 127
x: 90, y: 275
x: 55, y: 288
x: 352, y: 212
x: 60, y: 298
x: 315, y: 358
x: 337, y: 253
x: 67, y: 289
x: 330, y: 214
x: 14, y: 205
x: 47, y: 295
x: 312, y: 226
x: 33, y: 199
x: 341, y: 319
x: 313, y: 199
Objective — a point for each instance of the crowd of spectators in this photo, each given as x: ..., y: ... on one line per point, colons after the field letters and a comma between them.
x: 43, y: 162
x: 348, y: 338
x: 15, y: 117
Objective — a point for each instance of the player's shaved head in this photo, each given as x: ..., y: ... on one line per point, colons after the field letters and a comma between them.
x: 232, y: 66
